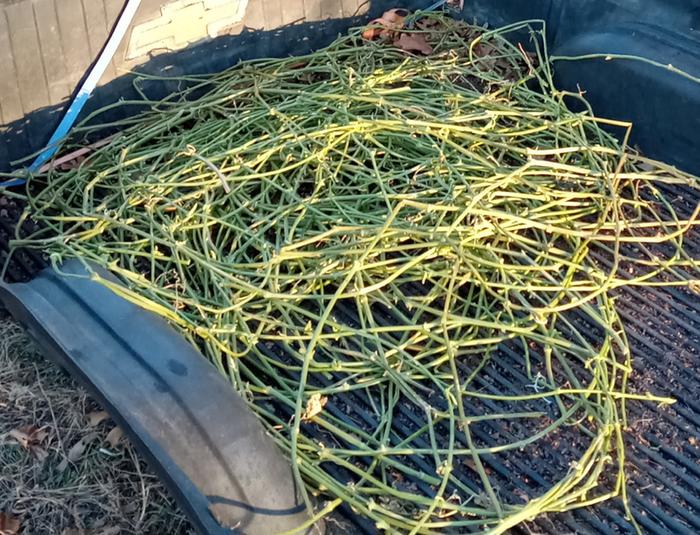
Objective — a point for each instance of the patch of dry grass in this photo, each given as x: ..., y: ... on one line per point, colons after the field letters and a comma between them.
x: 46, y: 481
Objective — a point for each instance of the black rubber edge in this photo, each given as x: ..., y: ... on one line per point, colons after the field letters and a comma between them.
x: 662, y: 105
x: 196, y: 432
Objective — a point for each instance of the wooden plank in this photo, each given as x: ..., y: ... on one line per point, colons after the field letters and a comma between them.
x: 292, y: 12
x: 96, y: 22
x: 332, y: 9
x: 74, y: 38
x: 254, y: 16
x: 312, y: 8
x: 273, y: 14
x: 51, y: 50
x: 9, y: 92
x: 112, y: 10
x: 29, y: 66
x: 354, y: 8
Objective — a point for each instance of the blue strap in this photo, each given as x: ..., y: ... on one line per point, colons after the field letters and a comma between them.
x: 91, y: 81
x: 76, y: 106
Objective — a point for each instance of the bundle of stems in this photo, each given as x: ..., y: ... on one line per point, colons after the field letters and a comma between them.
x: 362, y: 226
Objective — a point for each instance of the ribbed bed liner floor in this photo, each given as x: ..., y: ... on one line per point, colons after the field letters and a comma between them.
x: 663, y: 453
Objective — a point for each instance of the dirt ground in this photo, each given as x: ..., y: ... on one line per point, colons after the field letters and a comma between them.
x: 65, y: 469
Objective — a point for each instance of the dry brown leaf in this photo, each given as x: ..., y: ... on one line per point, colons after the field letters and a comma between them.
x: 9, y: 525
x: 78, y: 449
x: 385, y: 25
x: 114, y: 436
x: 31, y: 437
x: 40, y: 435
x: 427, y: 24
x: 395, y: 17
x: 314, y: 406
x: 96, y: 417
x: 413, y: 42
x: 23, y: 435
x: 372, y: 33
x: 470, y: 463
x: 487, y: 53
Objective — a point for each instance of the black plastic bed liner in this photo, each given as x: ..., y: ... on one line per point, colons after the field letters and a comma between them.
x: 663, y: 453
x: 663, y: 325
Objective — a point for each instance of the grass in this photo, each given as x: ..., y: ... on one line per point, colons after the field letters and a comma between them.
x: 106, y: 489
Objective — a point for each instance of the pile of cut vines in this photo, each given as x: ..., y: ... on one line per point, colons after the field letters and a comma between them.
x: 365, y: 227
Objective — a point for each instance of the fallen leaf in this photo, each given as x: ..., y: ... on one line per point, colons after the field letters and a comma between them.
x: 40, y: 435
x: 472, y: 465
x: 77, y: 451
x: 385, y: 25
x: 413, y: 42
x: 73, y: 164
x: 31, y: 437
x: 23, y: 435
x: 395, y: 17
x: 486, y: 52
x: 96, y: 417
x: 314, y: 406
x: 373, y: 32
x: 114, y: 436
x: 427, y: 24
x: 9, y: 525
